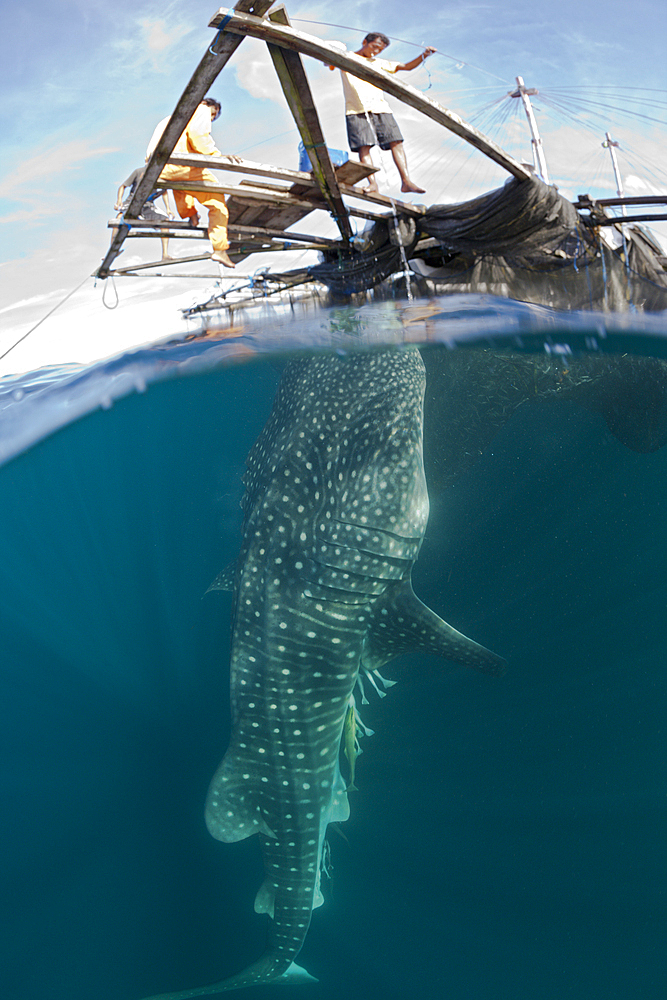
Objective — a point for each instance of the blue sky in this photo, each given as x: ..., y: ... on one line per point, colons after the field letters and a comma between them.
x: 85, y: 82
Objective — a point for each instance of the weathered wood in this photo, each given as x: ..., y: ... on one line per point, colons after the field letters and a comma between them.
x: 253, y: 191
x: 232, y: 228
x: 612, y: 220
x: 251, y: 194
x: 347, y: 173
x: 296, y: 89
x: 353, y: 171
x: 298, y: 41
x: 215, y: 57
x: 585, y: 201
x: 161, y: 263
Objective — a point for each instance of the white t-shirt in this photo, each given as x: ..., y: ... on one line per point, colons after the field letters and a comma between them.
x: 361, y: 96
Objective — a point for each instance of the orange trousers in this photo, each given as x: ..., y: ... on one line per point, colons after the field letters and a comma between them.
x: 218, y: 216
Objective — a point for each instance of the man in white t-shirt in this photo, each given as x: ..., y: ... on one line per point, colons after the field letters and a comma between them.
x: 368, y: 116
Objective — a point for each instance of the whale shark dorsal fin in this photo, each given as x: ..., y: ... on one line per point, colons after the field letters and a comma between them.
x: 404, y: 624
x: 225, y: 579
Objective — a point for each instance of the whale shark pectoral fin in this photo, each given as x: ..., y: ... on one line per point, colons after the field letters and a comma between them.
x: 405, y: 624
x: 224, y: 580
x: 233, y: 804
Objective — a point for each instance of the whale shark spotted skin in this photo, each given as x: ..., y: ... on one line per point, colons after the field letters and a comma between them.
x: 335, y: 512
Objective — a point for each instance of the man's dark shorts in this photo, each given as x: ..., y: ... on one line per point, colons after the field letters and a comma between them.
x: 372, y: 129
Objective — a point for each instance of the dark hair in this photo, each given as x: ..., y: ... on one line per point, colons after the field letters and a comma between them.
x: 374, y: 36
x: 211, y: 102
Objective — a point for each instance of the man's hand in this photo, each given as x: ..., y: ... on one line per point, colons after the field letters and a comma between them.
x: 233, y: 158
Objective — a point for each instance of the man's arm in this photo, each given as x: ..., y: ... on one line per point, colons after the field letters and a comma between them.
x: 119, y: 198
x: 428, y: 51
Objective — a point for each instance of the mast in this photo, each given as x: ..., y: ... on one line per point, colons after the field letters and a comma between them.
x: 612, y: 147
x: 539, y: 159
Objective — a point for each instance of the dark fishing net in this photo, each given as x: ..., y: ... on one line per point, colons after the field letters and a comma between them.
x: 523, y: 241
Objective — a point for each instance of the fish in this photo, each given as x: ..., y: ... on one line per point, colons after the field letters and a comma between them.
x: 335, y: 511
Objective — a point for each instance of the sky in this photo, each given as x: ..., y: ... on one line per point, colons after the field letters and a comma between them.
x: 85, y: 82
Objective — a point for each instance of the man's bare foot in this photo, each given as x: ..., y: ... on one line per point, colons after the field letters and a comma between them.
x: 372, y: 189
x: 222, y: 257
x: 165, y: 256
x: 408, y: 186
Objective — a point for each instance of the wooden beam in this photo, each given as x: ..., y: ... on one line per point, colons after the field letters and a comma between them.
x: 162, y: 227
x: 259, y: 193
x: 161, y: 263
x: 349, y: 173
x: 298, y: 41
x: 216, y: 56
x: 298, y: 95
x: 585, y: 201
x: 620, y: 220
x: 254, y: 194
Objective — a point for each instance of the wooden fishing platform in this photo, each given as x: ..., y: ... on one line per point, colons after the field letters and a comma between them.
x: 261, y: 211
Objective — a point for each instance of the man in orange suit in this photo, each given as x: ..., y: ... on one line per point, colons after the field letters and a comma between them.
x: 197, y: 139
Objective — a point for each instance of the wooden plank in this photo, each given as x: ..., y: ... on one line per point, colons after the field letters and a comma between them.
x: 161, y: 263
x: 161, y: 227
x: 353, y: 171
x: 585, y: 201
x: 216, y: 56
x: 299, y: 41
x: 239, y: 192
x: 298, y: 95
x: 347, y: 173
x: 622, y: 219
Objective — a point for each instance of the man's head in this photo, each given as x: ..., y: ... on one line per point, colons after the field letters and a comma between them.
x: 374, y: 43
x: 214, y: 105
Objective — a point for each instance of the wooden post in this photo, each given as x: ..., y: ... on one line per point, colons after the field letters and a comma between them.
x: 216, y: 56
x: 297, y: 92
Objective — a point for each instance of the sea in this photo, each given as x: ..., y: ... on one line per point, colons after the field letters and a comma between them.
x: 508, y: 838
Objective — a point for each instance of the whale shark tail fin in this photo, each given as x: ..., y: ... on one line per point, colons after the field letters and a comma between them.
x: 293, y: 975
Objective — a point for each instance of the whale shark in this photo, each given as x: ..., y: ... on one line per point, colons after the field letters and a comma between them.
x: 335, y: 511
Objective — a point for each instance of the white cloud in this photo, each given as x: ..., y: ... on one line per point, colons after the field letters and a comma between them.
x: 18, y: 184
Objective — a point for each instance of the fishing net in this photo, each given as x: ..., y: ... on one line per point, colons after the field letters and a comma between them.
x: 523, y: 241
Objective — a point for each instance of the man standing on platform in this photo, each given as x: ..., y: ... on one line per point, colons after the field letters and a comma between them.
x: 368, y: 116
x: 197, y: 139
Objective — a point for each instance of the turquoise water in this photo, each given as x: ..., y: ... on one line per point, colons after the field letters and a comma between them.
x: 508, y: 837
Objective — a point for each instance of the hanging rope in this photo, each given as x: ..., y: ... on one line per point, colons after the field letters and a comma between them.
x: 104, y: 294
x: 49, y: 313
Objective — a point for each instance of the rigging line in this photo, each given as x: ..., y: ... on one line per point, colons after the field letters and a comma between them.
x: 616, y: 86
x: 403, y: 41
x: 585, y: 105
x: 643, y: 167
x: 49, y: 313
x: 642, y: 101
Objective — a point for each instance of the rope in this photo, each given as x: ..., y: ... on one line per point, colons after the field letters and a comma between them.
x: 403, y: 41
x: 49, y: 313
x: 104, y: 294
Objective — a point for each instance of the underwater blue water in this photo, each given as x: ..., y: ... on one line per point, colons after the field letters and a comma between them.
x: 508, y: 838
